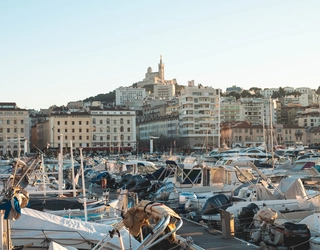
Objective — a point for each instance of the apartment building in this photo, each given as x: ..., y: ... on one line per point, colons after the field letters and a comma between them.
x: 268, y: 92
x: 166, y: 91
x: 167, y: 126
x: 231, y: 111
x: 245, y: 134
x: 127, y: 94
x: 113, y: 129
x: 199, y: 117
x: 310, y: 117
x: 14, y: 130
x: 66, y: 129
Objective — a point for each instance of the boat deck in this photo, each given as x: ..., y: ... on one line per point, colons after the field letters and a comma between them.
x: 211, y: 239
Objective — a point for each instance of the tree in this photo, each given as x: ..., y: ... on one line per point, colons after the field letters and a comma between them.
x: 234, y: 94
x: 246, y: 94
x: 282, y: 92
x: 255, y: 90
x: 276, y: 95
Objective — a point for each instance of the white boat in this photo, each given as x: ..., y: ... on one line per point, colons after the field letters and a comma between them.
x: 201, y: 179
x: 39, y: 229
x: 313, y: 222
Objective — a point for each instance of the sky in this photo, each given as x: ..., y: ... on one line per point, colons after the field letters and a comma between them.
x: 54, y: 52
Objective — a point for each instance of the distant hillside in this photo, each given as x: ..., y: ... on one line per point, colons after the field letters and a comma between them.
x: 111, y: 96
x: 104, y: 98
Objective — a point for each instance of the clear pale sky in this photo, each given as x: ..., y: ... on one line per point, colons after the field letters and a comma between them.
x: 53, y: 52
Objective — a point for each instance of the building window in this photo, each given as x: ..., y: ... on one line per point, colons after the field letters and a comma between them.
x: 80, y: 130
x: 121, y: 121
x: 72, y: 122
x: 128, y: 129
x: 80, y: 123
x: 87, y: 130
x: 22, y: 130
x: 58, y: 122
x: 58, y: 130
x: 73, y: 130
x: 108, y: 120
x: 101, y: 122
x: 65, y: 123
x: 101, y: 130
x: 8, y: 121
x: 15, y: 130
x: 66, y: 137
x: 114, y: 121
x: 73, y: 138
x: 15, y: 121
x: 94, y: 121
x: 115, y: 130
x: 66, y: 130
x: 80, y: 138
x: 8, y: 130
x: 101, y: 138
x: 128, y: 121
x: 21, y: 121
x: 87, y: 122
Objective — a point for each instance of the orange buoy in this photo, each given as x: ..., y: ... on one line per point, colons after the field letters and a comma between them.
x: 104, y: 183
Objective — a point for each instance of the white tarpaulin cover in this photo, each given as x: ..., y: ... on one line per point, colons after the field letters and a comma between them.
x: 33, y: 224
x: 292, y: 187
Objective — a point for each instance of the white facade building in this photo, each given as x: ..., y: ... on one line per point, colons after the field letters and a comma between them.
x: 166, y: 91
x: 127, y: 94
x: 231, y: 111
x: 114, y: 130
x: 268, y: 92
x: 14, y: 125
x: 199, y: 117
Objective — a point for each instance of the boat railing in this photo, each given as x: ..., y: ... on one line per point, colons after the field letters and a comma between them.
x: 46, y: 233
x: 165, y: 217
x: 179, y: 225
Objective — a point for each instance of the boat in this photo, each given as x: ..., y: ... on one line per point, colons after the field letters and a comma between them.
x: 201, y: 179
x: 313, y: 222
x: 44, y: 228
x: 289, y: 195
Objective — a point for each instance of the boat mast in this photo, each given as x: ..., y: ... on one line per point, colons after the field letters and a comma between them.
x: 271, y: 133
x: 219, y: 119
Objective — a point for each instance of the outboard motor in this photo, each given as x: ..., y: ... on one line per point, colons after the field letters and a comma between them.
x: 215, y: 203
x: 213, y: 206
x: 132, y: 182
x: 289, y: 235
x: 141, y: 186
x: 296, y: 236
x: 123, y: 180
x: 245, y: 217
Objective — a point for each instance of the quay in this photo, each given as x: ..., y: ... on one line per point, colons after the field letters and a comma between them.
x: 203, y: 237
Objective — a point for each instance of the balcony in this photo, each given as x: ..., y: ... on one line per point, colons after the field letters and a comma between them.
x: 298, y: 133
